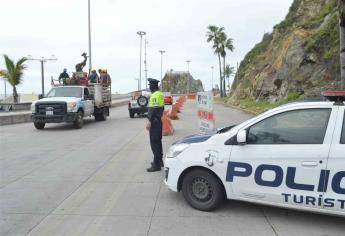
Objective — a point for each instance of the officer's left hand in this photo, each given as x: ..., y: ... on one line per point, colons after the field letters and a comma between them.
x: 148, y: 125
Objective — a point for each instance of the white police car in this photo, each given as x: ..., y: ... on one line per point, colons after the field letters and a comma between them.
x: 292, y: 156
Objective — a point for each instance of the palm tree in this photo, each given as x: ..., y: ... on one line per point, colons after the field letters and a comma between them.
x: 229, y: 71
x: 14, y: 73
x: 225, y: 44
x: 341, y: 6
x: 214, y: 35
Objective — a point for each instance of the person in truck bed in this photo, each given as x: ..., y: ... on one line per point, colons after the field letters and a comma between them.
x: 64, y: 76
x: 93, y: 77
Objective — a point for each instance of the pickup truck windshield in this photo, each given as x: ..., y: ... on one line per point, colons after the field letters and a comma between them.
x: 65, y: 92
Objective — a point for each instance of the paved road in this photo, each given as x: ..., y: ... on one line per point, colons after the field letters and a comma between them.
x: 62, y: 181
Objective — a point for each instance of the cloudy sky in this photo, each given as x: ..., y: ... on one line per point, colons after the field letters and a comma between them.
x: 45, y: 27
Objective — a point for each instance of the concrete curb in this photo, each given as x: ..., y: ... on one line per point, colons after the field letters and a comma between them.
x: 25, y: 116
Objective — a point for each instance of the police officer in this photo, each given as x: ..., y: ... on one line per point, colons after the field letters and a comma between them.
x: 154, y: 125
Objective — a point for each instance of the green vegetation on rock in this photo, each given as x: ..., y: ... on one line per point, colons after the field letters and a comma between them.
x: 300, y: 56
x: 326, y: 41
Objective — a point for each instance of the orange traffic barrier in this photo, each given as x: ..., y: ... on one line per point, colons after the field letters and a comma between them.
x: 191, y: 96
x: 167, y: 125
x: 173, y: 113
x: 178, y: 107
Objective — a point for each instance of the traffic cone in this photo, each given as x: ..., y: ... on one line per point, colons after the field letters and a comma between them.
x: 167, y: 125
x: 173, y: 113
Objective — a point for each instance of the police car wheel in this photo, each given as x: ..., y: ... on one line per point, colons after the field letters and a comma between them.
x: 202, y: 190
x: 142, y: 101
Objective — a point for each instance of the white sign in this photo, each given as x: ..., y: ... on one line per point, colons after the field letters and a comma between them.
x: 206, y: 126
x: 205, y: 101
x: 205, y: 112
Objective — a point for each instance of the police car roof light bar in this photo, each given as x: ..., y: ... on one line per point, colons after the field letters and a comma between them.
x: 337, y: 96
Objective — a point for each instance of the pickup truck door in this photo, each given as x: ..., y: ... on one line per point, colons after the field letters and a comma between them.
x: 88, y: 103
x: 335, y: 188
x: 283, y: 157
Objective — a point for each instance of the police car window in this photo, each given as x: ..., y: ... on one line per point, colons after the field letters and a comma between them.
x: 306, y: 126
x: 342, y: 140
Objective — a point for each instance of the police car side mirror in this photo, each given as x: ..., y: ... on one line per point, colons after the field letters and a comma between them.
x: 242, y: 137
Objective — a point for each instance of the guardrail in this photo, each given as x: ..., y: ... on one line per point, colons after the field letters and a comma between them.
x: 15, y: 106
x: 16, y: 117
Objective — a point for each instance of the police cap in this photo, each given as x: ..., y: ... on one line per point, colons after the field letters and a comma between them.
x: 153, y: 81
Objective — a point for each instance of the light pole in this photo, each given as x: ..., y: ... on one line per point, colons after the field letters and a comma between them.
x: 138, y: 83
x: 42, y: 60
x: 188, y: 61
x: 140, y: 33
x: 161, y: 52
x: 212, y: 78
x: 5, y: 88
x: 145, y: 61
x: 89, y: 20
x: 188, y: 82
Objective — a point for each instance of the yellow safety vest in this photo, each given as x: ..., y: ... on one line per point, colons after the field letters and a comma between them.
x: 156, y: 99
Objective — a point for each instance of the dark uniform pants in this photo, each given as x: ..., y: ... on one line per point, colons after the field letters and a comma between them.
x: 156, y: 141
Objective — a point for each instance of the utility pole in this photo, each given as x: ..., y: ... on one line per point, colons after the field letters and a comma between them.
x: 42, y: 60
x: 161, y: 52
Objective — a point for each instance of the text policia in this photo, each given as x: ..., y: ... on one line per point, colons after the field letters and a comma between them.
x: 242, y: 169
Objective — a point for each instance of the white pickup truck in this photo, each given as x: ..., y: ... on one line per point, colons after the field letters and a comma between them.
x: 72, y: 104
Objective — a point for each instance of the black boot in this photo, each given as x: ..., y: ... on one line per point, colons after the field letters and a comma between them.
x: 161, y: 164
x: 153, y: 168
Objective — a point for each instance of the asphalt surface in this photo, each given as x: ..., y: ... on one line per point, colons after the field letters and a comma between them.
x: 92, y: 181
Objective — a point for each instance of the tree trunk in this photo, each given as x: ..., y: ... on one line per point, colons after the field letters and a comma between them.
x: 220, y: 73
x: 341, y: 7
x: 15, y: 94
x: 224, y: 84
x: 342, y: 55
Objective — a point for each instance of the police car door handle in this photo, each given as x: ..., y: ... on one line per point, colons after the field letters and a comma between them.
x: 310, y: 163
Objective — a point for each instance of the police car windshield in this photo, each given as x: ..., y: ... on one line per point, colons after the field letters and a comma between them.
x: 65, y: 92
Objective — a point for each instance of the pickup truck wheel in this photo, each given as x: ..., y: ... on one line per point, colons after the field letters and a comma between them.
x: 103, y: 114
x: 202, y: 190
x: 79, y: 121
x: 39, y: 125
x: 131, y: 114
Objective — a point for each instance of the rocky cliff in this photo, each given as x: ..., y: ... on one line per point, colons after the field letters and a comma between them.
x: 301, y: 55
x: 180, y: 83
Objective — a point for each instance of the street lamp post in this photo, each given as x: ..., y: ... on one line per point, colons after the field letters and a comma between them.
x: 145, y: 64
x: 188, y: 61
x: 42, y: 60
x: 5, y: 88
x: 140, y: 33
x: 89, y: 20
x: 188, y: 82
x: 161, y: 52
x: 138, y: 83
x: 212, y: 78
